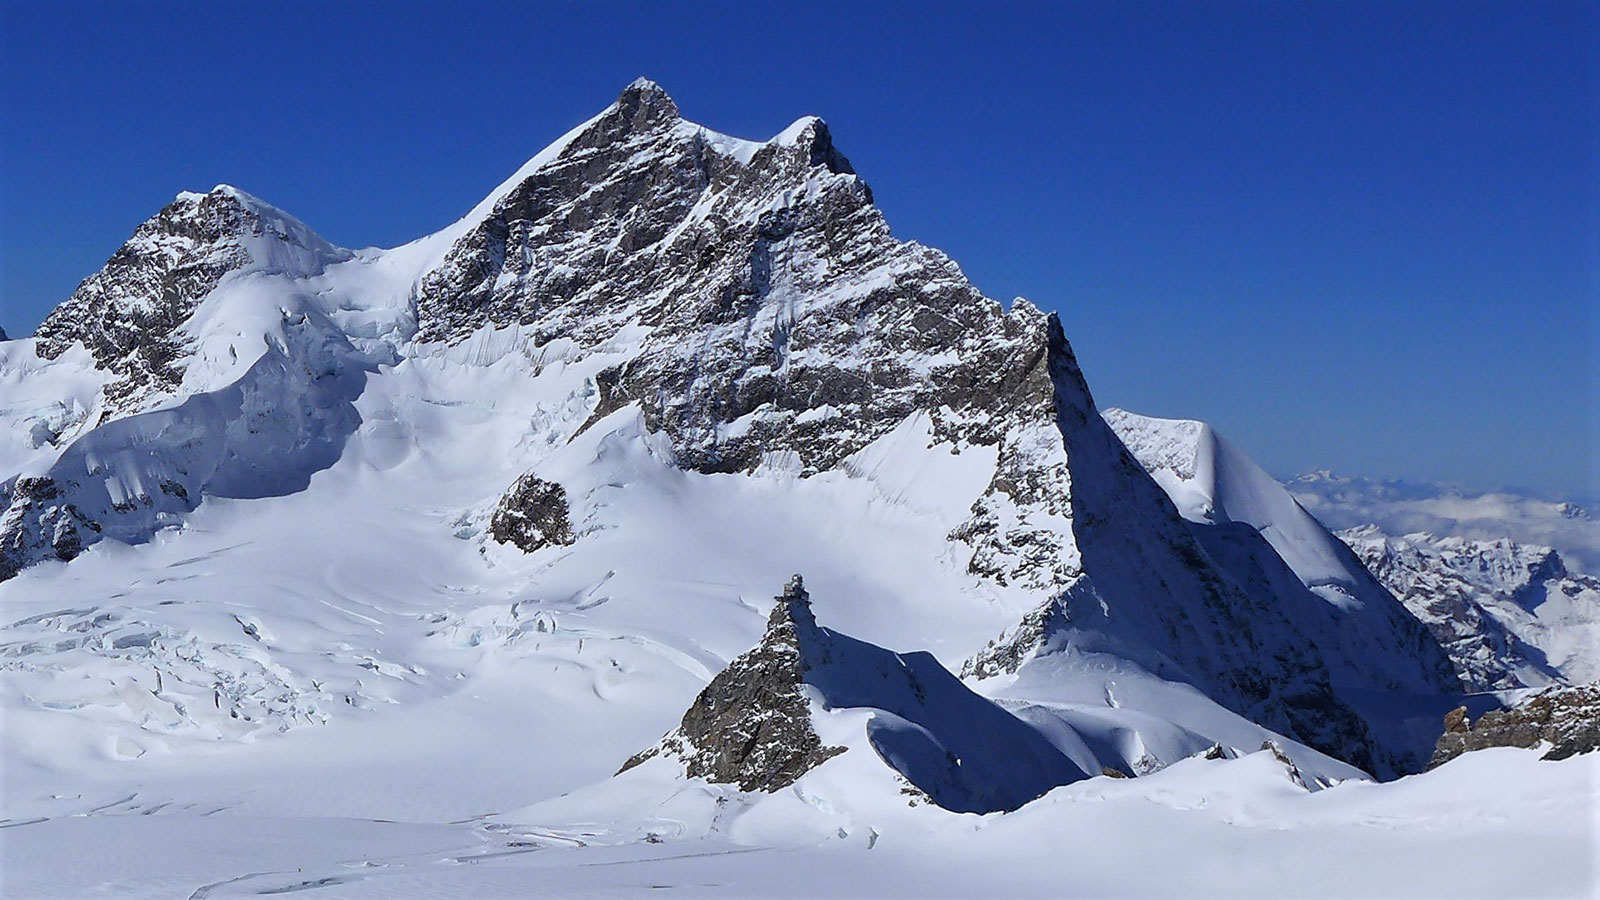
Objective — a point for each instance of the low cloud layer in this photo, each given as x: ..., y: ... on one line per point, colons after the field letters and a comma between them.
x: 1402, y: 507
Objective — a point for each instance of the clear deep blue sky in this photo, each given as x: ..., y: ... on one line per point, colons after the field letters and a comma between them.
x: 1351, y: 236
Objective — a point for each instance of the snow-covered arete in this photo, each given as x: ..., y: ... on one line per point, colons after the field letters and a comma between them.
x: 253, y: 574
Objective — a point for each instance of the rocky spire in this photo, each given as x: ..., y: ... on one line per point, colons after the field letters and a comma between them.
x: 644, y: 102
x: 751, y: 726
x: 793, y: 609
x: 642, y: 109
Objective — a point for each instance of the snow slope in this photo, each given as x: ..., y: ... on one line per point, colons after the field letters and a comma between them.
x: 1201, y: 829
x: 253, y: 577
x: 1235, y: 508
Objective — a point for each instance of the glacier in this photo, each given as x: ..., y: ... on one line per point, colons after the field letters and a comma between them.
x: 252, y: 574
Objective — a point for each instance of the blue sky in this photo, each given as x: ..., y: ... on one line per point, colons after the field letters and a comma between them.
x: 1356, y: 236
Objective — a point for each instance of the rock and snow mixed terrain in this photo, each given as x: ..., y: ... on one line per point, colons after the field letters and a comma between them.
x: 1512, y: 615
x: 365, y: 571
x: 1566, y: 720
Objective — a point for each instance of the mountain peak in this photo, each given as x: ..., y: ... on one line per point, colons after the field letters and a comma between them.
x: 644, y: 84
x: 131, y: 313
x: 242, y: 210
x: 753, y: 723
x: 811, y: 134
x: 645, y: 103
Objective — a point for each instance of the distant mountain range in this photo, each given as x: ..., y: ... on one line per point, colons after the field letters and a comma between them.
x: 1444, y: 510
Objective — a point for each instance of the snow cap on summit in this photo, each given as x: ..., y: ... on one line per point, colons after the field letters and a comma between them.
x: 811, y: 134
x: 241, y: 198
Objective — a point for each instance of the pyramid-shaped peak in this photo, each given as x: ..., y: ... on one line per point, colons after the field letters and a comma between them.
x: 644, y: 85
x: 811, y: 134
x: 644, y: 103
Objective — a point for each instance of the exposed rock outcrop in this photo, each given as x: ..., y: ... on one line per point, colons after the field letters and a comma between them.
x: 58, y: 530
x: 1566, y: 718
x: 752, y: 725
x: 532, y: 515
x: 784, y: 316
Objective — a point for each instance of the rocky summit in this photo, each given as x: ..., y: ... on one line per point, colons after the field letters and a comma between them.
x: 545, y: 466
x: 751, y: 726
x: 748, y: 303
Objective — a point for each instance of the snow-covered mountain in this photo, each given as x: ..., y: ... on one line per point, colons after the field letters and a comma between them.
x: 1509, y: 615
x: 1512, y: 615
x: 735, y: 307
x: 287, y: 524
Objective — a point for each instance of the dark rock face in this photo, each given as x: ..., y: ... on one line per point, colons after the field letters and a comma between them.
x: 1566, y: 717
x: 1144, y: 575
x: 59, y: 531
x: 751, y: 726
x: 532, y: 515
x: 784, y: 316
x: 128, y: 313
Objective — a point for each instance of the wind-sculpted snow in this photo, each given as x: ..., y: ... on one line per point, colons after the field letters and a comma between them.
x: 1254, y: 530
x: 752, y: 724
x: 264, y: 435
x: 130, y: 313
x: 1223, y: 622
x: 1214, y: 484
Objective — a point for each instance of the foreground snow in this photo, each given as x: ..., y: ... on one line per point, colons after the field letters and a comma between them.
x: 1496, y: 823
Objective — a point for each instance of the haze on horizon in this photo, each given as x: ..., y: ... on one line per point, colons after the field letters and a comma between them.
x: 1351, y: 237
